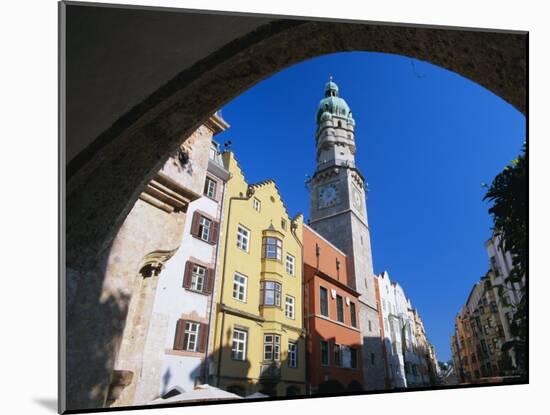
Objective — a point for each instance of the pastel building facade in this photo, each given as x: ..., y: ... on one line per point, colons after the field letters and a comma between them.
x: 483, y: 325
x: 258, y: 343
x: 331, y: 319
x: 506, y: 298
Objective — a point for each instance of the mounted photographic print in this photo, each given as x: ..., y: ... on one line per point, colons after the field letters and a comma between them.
x: 262, y: 207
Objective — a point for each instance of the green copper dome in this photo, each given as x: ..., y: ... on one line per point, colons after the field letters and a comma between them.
x: 332, y: 104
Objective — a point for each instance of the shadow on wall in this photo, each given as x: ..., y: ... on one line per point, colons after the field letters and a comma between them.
x: 374, y: 363
x: 235, y: 377
x: 225, y: 371
x: 339, y: 379
x: 86, y: 312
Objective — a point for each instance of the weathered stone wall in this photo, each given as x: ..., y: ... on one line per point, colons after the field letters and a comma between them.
x: 147, y: 232
x: 149, y: 229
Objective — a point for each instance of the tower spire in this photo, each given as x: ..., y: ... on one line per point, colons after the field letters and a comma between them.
x: 335, y: 129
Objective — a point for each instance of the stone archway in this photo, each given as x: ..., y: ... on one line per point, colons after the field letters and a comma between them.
x: 104, y: 180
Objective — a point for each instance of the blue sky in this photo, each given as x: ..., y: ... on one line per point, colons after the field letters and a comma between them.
x: 426, y: 139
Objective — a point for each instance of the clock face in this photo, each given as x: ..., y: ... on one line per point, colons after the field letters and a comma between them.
x: 328, y: 195
x: 357, y: 199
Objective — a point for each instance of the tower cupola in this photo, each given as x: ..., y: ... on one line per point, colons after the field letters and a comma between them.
x: 335, y: 129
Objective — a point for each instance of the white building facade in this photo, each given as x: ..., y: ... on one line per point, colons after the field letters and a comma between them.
x: 405, y: 355
x: 183, y: 301
x: 510, y: 296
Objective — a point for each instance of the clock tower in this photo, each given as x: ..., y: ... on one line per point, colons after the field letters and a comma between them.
x: 338, y: 212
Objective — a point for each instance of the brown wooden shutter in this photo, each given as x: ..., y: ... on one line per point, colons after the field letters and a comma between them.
x: 187, y: 274
x: 195, y: 223
x: 180, y: 333
x: 203, y: 337
x: 218, y: 191
x: 214, y: 232
x: 209, y: 283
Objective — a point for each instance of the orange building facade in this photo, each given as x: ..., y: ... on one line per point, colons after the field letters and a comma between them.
x: 331, y: 319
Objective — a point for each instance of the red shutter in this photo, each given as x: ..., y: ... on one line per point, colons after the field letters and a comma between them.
x: 209, y: 283
x: 214, y: 233
x: 195, y: 224
x: 203, y: 337
x: 187, y: 274
x: 180, y: 333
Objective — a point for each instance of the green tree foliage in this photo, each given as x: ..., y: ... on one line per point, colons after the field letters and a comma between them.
x: 508, y: 194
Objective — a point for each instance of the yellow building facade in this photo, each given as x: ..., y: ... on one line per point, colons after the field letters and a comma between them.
x: 258, y: 341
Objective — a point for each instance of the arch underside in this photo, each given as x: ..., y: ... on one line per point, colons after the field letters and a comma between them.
x: 111, y: 172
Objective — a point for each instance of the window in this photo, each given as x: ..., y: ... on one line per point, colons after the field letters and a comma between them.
x: 337, y: 355
x: 256, y: 204
x: 210, y: 188
x: 353, y: 316
x: 346, y: 356
x: 289, y: 307
x: 191, y: 335
x: 353, y: 357
x: 340, y: 308
x: 289, y: 264
x: 239, y: 287
x: 238, y: 349
x: 292, y: 354
x: 204, y: 228
x: 272, y: 248
x: 324, y: 353
x: 198, y: 277
x: 212, y: 153
x: 272, y: 347
x: 283, y: 224
x: 324, y: 301
x: 243, y: 238
x: 270, y: 293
